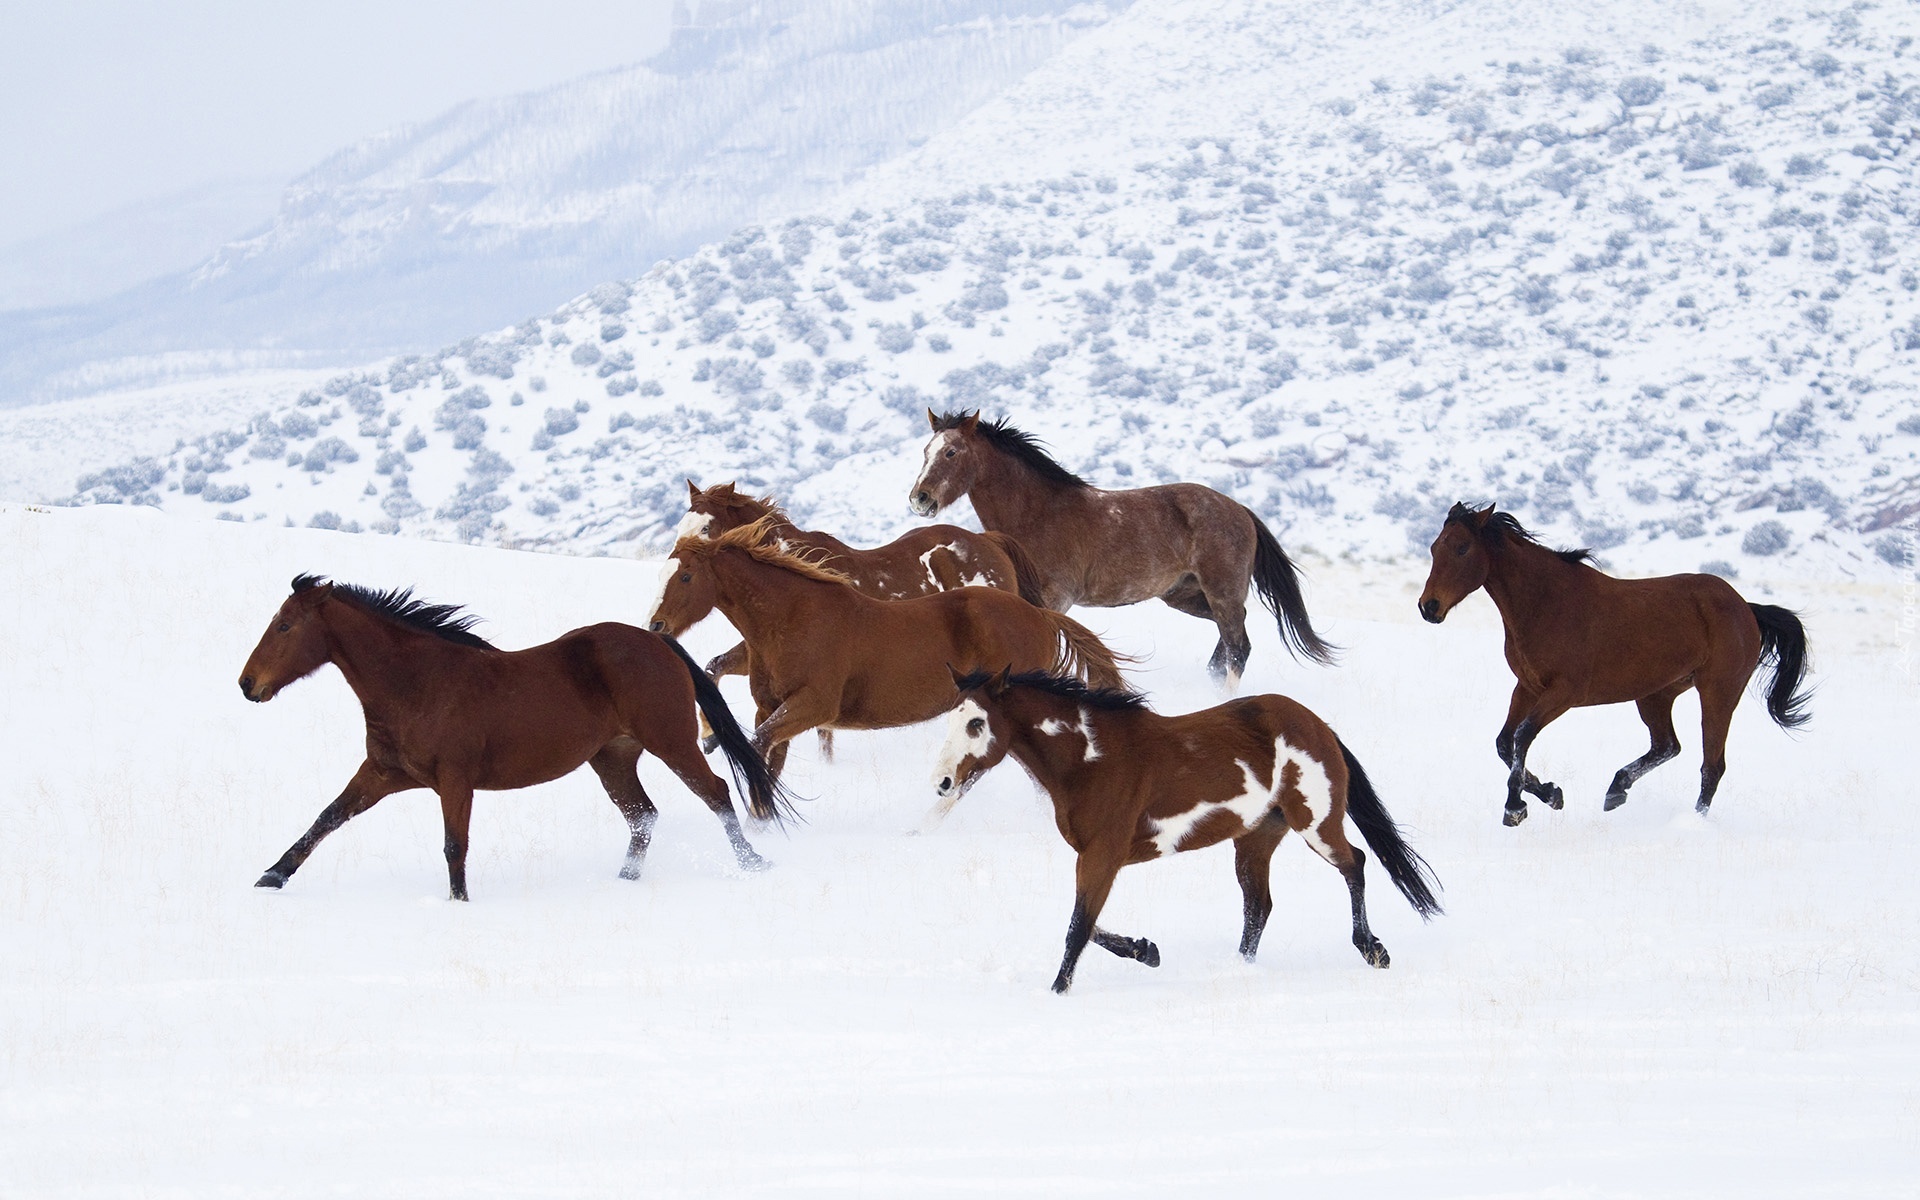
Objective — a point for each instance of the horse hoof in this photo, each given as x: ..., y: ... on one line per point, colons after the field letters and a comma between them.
x: 1702, y: 807
x: 630, y: 871
x: 1514, y: 816
x: 1553, y: 797
x: 272, y: 879
x: 753, y: 862
x: 1061, y: 984
x: 1147, y: 952
x: 709, y: 744
x: 1614, y: 800
x: 1376, y: 956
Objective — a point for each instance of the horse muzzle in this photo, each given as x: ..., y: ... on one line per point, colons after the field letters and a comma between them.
x: 922, y: 504
x: 1431, y: 612
x: 247, y: 689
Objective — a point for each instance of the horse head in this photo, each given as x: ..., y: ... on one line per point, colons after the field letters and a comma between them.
x: 977, y: 733
x: 687, y: 589
x: 294, y: 645
x: 951, y: 463
x: 1459, y: 562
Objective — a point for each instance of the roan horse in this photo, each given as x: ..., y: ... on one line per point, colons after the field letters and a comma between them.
x: 1129, y: 785
x: 823, y: 654
x: 1183, y: 543
x: 448, y: 711
x: 1576, y: 637
x: 935, y: 558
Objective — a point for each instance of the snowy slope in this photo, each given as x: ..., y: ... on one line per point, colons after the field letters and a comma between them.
x: 501, y: 207
x: 1657, y: 297
x: 1632, y: 1003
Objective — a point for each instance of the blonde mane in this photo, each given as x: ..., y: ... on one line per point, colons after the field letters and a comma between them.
x: 726, y: 496
x: 759, y: 543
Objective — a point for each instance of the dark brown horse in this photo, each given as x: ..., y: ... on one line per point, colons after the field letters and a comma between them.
x: 1129, y: 786
x: 1182, y: 543
x: 448, y: 711
x: 1576, y: 637
x: 936, y: 558
x: 824, y: 655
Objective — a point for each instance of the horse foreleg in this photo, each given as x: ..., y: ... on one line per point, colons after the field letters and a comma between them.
x: 1138, y: 949
x: 1657, y: 713
x: 1524, y: 704
x: 1093, y: 879
x: 456, y: 813
x: 791, y: 717
x: 369, y: 785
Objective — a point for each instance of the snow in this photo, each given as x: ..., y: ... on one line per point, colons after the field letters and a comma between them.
x: 1640, y: 1002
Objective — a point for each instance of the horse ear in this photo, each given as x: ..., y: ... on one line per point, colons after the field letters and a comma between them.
x: 693, y: 490
x: 1480, y: 516
x: 1002, y: 682
x: 969, y: 422
x: 933, y: 420
x: 959, y: 677
x: 315, y: 594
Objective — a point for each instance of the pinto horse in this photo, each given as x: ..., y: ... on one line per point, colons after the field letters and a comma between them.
x: 824, y: 655
x: 1576, y: 637
x: 447, y: 710
x: 1129, y: 786
x: 936, y: 558
x: 1188, y: 545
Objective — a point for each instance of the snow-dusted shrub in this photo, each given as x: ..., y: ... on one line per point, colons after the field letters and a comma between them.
x: 921, y: 260
x: 620, y: 360
x: 268, y: 444
x: 612, y: 331
x: 894, y: 339
x: 1720, y: 567
x: 730, y: 376
x: 1894, y: 549
x: 1636, y: 90
x: 1774, y: 96
x: 717, y: 323
x: 543, y: 506
x: 585, y: 354
x: 619, y: 421
x: 491, y: 358
x: 416, y: 441
x: 559, y: 421
x: 1537, y: 294
x: 763, y: 347
x: 839, y: 368
x: 215, y: 493
x: 1805, y: 166
x: 1747, y: 173
x: 620, y: 385
x: 298, y: 425
x: 331, y: 450
x: 798, y: 372
x: 389, y: 462
x: 326, y: 519
x: 468, y: 432
x: 938, y: 343
x: 611, y: 298
x: 985, y: 295
x: 651, y: 387
x: 1765, y: 538
x: 827, y: 417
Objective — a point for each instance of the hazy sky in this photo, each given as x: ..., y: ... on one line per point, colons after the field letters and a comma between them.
x: 104, y: 105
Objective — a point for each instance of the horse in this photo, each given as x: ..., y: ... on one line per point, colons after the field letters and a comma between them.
x: 1129, y: 785
x: 934, y: 558
x: 1576, y: 637
x: 447, y: 710
x: 1182, y: 543
x: 825, y: 655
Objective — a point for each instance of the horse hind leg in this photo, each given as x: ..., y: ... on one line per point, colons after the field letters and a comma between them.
x: 1657, y: 712
x: 1138, y: 949
x: 1252, y: 864
x: 692, y: 770
x: 617, y: 766
x: 1716, y: 715
x: 1329, y: 841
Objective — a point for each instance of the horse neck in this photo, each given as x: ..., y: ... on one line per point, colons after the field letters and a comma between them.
x: 1051, y: 758
x: 758, y: 597
x: 1009, y: 495
x: 385, y: 663
x: 1524, y: 580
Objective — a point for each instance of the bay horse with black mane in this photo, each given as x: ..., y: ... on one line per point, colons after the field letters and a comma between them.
x: 933, y: 558
x: 822, y: 654
x: 1129, y: 786
x: 447, y: 710
x: 1182, y: 543
x: 1576, y: 637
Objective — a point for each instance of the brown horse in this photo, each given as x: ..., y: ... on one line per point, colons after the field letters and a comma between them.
x: 1129, y: 785
x: 824, y: 655
x: 448, y: 711
x: 1576, y: 637
x: 937, y: 558
x: 1182, y: 543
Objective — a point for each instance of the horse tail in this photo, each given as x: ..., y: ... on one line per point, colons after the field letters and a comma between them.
x: 1783, y: 647
x: 1026, y: 573
x: 1409, y: 872
x: 1279, y: 583
x: 1084, y: 656
x: 767, y: 799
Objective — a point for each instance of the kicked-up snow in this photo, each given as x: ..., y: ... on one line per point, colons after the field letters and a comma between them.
x: 1640, y: 1002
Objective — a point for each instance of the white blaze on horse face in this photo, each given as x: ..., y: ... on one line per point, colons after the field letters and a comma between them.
x: 935, y: 445
x: 694, y: 524
x: 962, y: 743
x: 1257, y: 799
x: 1053, y: 727
x: 674, y: 566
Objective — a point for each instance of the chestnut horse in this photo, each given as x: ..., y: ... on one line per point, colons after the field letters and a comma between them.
x: 937, y: 558
x: 447, y: 710
x: 1576, y: 637
x: 824, y: 655
x: 1129, y: 785
x: 1188, y: 545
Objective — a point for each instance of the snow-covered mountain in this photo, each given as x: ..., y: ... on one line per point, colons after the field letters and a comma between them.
x: 501, y: 207
x: 1655, y: 290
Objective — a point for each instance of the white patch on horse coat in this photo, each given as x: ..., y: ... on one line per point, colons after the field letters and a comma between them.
x: 694, y: 524
x: 960, y: 744
x: 667, y: 572
x: 926, y: 563
x: 1054, y: 727
x: 934, y: 446
x: 1258, y: 799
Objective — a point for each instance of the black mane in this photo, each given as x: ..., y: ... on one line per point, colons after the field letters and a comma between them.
x: 1507, y: 525
x: 1017, y: 444
x: 1064, y: 686
x: 444, y: 621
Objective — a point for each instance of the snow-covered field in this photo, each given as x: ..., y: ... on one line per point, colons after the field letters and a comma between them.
x: 1635, y: 1003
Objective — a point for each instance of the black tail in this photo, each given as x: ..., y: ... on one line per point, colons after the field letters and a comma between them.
x: 1783, y: 646
x: 1026, y: 573
x: 1279, y: 584
x: 1409, y: 872
x: 766, y: 798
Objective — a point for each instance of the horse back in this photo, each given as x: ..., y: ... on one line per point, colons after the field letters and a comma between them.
x: 1139, y: 543
x: 1647, y: 634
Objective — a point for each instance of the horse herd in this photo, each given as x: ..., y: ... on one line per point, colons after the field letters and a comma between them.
x: 973, y: 625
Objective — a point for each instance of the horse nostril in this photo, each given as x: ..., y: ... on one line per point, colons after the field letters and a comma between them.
x: 658, y: 627
x: 1430, y: 610
x: 946, y: 784
x: 246, y: 686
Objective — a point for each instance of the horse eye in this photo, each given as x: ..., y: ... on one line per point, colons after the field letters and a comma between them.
x: 284, y: 627
x: 975, y: 726
x: 1461, y: 550
x: 950, y: 453
x: 687, y: 578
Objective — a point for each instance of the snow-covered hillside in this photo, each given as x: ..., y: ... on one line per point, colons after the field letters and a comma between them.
x: 1657, y: 298
x: 501, y: 207
x: 1631, y: 1003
